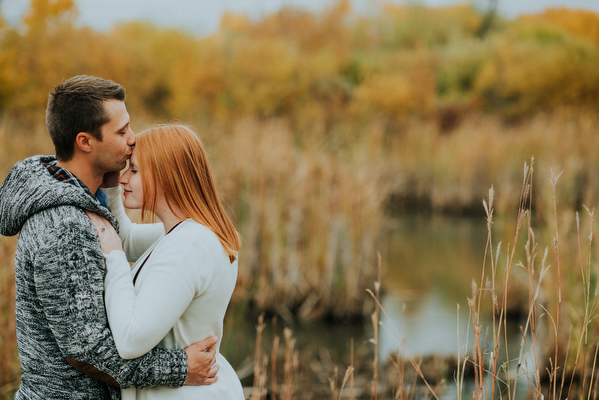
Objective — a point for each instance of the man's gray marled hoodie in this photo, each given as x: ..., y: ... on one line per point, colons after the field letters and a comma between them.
x: 60, y: 271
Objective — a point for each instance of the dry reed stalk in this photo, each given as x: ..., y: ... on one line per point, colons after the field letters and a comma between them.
x: 262, y: 391
x: 351, y: 364
x: 374, y: 340
x: 337, y: 392
x: 531, y: 320
x: 333, y: 384
x: 459, y: 377
x: 273, y: 364
x: 259, y: 388
x: 476, y: 347
x: 498, y: 312
x: 590, y: 305
x: 375, y: 317
x: 554, y: 372
x: 461, y: 365
x: 558, y: 313
x: 593, y: 371
x: 489, y: 210
x: 398, y: 379
x: 461, y: 183
x: 412, y: 390
x: 594, y: 391
x: 290, y: 366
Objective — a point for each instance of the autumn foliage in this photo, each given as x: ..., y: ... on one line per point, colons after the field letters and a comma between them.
x: 402, y: 62
x: 320, y: 124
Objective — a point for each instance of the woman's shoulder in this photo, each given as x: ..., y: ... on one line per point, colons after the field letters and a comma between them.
x: 192, y: 232
x: 191, y: 226
x: 195, y: 242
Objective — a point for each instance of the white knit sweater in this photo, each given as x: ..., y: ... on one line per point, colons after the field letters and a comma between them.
x: 180, y: 296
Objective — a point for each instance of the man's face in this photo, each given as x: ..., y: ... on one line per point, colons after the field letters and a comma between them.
x: 111, y: 154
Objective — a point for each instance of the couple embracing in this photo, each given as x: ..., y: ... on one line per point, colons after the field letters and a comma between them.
x: 90, y: 325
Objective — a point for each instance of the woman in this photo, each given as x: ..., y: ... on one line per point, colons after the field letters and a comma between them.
x: 179, y: 288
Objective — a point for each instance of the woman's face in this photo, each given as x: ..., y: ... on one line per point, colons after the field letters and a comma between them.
x: 131, y: 181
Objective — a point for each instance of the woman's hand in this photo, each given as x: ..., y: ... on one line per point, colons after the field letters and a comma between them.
x: 109, y: 239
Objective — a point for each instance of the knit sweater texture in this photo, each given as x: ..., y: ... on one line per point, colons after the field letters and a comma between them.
x: 60, y: 313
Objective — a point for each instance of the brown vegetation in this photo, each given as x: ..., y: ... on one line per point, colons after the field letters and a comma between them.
x: 317, y: 124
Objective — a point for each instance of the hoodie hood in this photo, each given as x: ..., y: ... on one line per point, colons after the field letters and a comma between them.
x: 29, y: 188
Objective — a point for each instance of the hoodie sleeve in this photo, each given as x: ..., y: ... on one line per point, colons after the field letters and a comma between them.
x: 68, y: 277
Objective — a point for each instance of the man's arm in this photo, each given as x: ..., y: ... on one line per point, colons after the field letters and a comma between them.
x: 69, y: 274
x: 202, y: 367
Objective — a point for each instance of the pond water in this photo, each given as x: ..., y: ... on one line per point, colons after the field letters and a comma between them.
x: 429, y: 265
x: 431, y: 262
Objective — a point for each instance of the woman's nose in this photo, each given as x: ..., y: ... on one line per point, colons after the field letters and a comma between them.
x: 124, y: 178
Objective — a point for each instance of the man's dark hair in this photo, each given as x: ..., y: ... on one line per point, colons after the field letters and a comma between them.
x: 76, y: 105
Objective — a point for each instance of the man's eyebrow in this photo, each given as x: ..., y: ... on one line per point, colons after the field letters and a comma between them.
x: 124, y: 126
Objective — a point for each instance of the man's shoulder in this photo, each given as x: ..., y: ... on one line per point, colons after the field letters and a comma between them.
x: 58, y: 232
x: 60, y: 211
x: 65, y: 219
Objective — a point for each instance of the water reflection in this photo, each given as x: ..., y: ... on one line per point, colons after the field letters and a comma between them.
x: 421, y: 326
x: 430, y: 264
x: 430, y: 267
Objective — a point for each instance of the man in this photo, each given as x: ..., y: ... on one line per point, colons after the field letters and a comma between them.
x: 62, y: 332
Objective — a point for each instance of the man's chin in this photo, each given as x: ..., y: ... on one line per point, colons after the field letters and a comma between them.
x: 120, y: 167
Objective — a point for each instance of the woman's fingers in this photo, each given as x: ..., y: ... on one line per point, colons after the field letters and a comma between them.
x: 109, y: 239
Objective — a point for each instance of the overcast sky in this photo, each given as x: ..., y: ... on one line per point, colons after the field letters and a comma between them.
x: 203, y: 16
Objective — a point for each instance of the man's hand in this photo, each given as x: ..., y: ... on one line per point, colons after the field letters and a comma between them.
x: 201, y: 359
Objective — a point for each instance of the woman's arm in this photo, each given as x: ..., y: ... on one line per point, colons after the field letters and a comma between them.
x: 140, y: 321
x: 136, y: 238
x: 171, y: 280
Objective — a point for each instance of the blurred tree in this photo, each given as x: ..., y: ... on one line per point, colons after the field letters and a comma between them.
x: 403, y: 61
x: 2, y: 20
x: 47, y: 15
x: 582, y: 23
x: 488, y: 20
x: 34, y: 59
x: 538, y: 69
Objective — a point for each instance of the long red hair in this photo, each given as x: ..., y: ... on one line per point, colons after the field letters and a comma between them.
x: 173, y: 158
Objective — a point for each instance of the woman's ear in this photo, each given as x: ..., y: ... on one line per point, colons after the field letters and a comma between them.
x: 83, y: 141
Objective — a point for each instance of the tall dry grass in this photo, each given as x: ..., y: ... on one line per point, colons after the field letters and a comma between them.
x: 310, y: 204
x: 558, y: 347
x: 310, y: 218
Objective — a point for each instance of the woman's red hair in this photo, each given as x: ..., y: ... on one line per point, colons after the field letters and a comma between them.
x: 172, y: 157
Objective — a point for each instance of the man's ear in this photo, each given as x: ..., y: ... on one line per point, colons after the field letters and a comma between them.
x: 83, y: 141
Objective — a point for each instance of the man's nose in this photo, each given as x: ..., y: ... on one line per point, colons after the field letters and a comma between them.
x: 131, y: 138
